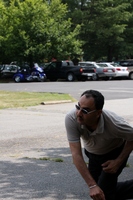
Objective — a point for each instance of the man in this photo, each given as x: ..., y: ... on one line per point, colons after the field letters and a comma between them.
x: 108, y: 142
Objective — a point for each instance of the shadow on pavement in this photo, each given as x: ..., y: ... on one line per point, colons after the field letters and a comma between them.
x: 32, y: 178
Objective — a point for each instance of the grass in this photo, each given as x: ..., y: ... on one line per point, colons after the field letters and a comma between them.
x: 46, y: 159
x: 24, y: 99
x: 52, y: 159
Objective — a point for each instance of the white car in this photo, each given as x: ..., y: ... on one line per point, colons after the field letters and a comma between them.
x: 121, y: 72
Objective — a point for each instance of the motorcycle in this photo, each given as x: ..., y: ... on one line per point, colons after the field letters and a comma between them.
x: 25, y: 74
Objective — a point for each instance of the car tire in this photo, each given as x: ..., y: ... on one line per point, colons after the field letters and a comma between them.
x: 70, y: 76
x: 17, y: 79
x: 131, y: 75
x: 95, y: 77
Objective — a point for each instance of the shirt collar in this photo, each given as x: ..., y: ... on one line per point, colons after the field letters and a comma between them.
x: 99, y: 129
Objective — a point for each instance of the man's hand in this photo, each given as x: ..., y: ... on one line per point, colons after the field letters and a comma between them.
x: 96, y: 193
x: 111, y: 166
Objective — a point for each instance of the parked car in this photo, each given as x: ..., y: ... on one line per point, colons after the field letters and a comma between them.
x: 7, y: 70
x: 101, y: 72
x: 21, y: 64
x: 128, y: 63
x: 121, y: 72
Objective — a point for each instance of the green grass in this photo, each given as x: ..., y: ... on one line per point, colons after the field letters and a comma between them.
x: 24, y: 99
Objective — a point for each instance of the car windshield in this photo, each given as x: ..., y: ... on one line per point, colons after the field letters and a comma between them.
x: 1, y: 67
x: 124, y: 63
x: 102, y: 65
x: 115, y: 64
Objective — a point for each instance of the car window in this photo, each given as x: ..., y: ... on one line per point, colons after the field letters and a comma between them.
x: 102, y: 65
x: 13, y: 67
x: 116, y: 64
x: 126, y: 63
x: 7, y: 67
x: 51, y: 66
x: 1, y: 67
x: 64, y: 64
x: 82, y: 64
x: 89, y: 65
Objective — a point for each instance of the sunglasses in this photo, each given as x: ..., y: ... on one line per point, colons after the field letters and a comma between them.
x: 84, y: 111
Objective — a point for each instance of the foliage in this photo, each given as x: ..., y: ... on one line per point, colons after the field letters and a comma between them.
x: 33, y: 30
x: 104, y: 27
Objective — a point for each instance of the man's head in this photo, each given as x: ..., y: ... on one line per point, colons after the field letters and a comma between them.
x: 97, y: 96
x: 89, y: 108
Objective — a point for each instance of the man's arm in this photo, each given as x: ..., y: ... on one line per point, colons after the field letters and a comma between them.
x: 81, y: 166
x: 111, y: 166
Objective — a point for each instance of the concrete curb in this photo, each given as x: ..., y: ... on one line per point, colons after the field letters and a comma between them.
x: 56, y: 102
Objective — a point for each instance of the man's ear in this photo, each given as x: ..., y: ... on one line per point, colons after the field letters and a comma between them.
x: 99, y: 113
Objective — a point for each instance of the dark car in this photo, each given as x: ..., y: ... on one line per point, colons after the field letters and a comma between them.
x: 7, y: 71
x: 68, y: 71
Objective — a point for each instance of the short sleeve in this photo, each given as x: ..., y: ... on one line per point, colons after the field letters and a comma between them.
x: 72, y: 127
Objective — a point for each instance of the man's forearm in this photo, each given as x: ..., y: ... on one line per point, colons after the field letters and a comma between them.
x: 126, y: 151
x: 83, y: 170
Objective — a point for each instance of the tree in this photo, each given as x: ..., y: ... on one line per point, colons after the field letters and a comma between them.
x: 34, y: 30
x: 3, y: 21
x: 104, y: 24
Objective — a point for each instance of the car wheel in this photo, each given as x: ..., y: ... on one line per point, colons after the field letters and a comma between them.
x: 131, y: 75
x: 17, y: 79
x: 70, y: 77
x: 95, y: 77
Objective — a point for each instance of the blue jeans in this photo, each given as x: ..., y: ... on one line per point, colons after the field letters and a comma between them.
x: 112, y: 189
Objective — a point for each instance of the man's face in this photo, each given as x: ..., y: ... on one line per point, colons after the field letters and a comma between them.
x: 89, y: 119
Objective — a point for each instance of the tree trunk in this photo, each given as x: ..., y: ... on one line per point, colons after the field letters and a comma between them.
x: 110, y: 53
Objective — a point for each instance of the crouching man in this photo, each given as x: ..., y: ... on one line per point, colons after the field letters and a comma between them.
x: 108, y: 142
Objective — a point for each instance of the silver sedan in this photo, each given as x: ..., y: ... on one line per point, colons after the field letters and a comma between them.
x: 101, y: 72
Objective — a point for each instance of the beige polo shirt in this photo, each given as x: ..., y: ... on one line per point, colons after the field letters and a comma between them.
x: 111, y: 131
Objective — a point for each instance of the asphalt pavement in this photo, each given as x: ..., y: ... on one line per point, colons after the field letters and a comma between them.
x: 35, y: 159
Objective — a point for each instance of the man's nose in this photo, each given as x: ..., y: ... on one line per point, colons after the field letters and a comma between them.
x: 79, y: 112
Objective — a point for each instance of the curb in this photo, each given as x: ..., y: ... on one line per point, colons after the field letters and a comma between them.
x: 55, y: 102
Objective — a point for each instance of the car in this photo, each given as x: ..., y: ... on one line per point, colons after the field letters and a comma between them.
x: 121, y: 72
x: 128, y: 63
x: 1, y: 67
x: 7, y: 70
x: 67, y: 70
x: 101, y: 72
x: 44, y: 65
x: 21, y: 64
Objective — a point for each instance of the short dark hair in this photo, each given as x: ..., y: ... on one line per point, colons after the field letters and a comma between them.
x: 98, y: 98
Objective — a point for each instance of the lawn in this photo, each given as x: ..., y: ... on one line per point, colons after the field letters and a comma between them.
x: 24, y: 99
